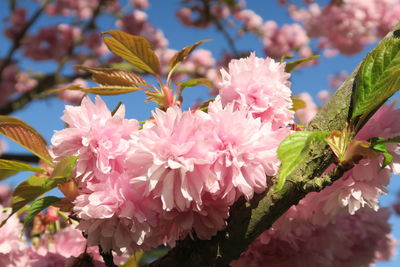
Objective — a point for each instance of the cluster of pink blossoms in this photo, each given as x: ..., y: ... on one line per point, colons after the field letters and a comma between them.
x: 348, y: 26
x: 345, y: 216
x: 278, y: 41
x: 178, y: 174
x: 286, y: 40
x: 18, y: 22
x: 82, y: 9
x: 350, y: 240
x: 51, y: 43
x: 13, y: 82
x: 64, y: 248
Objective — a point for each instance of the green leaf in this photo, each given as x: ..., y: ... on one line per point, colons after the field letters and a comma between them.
x: 37, y: 206
x: 184, y: 53
x: 387, y: 157
x: 134, y: 49
x: 64, y: 168
x: 18, y: 166
x: 292, y: 150
x: 291, y: 66
x: 298, y: 104
x: 5, y: 174
x: 133, y: 260
x: 26, y: 136
x: 27, y: 191
x: 32, y: 188
x: 114, y: 77
x: 102, y: 90
x: 393, y: 140
x: 380, y: 147
x: 194, y: 82
x: 377, y: 80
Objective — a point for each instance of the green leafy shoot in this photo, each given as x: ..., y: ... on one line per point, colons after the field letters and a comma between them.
x: 35, y: 186
x: 37, y: 206
x: 377, y: 80
x: 292, y: 150
x: 194, y: 82
x: 292, y: 65
x: 181, y: 56
x: 10, y: 167
x: 387, y: 157
x: 18, y: 166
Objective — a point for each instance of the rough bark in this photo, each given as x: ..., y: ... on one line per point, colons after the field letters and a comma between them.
x: 249, y: 219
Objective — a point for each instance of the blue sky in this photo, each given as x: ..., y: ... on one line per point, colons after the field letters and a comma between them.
x: 44, y: 115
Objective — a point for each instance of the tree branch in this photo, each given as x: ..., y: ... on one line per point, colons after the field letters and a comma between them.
x: 249, y: 219
x: 20, y: 157
x: 44, y: 83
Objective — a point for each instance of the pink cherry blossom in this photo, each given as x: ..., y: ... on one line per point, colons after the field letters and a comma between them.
x: 202, y: 58
x: 357, y: 240
x: 106, y: 197
x: 3, y: 147
x: 51, y: 43
x: 25, y: 83
x: 246, y: 148
x: 8, y: 81
x: 97, y: 137
x: 141, y: 4
x: 175, y: 157
x: 11, y: 246
x: 324, y: 95
x: 18, y: 22
x: 83, y: 9
x: 305, y: 115
x: 335, y: 81
x: 185, y: 16
x: 283, y: 41
x: 362, y: 186
x: 94, y: 43
x: 262, y: 86
x: 250, y: 19
x: 72, y: 96
x: 348, y: 26
x: 5, y: 195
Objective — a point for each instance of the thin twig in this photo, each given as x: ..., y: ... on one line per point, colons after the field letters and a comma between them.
x: 229, y: 39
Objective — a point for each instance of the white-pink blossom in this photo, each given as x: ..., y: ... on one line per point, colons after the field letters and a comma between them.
x: 283, y: 41
x: 175, y: 157
x: 11, y: 245
x: 246, y: 148
x: 51, y: 43
x: 262, y: 86
x: 350, y: 25
x: 351, y: 240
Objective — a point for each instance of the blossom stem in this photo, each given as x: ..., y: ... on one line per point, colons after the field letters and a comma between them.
x: 107, y: 257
